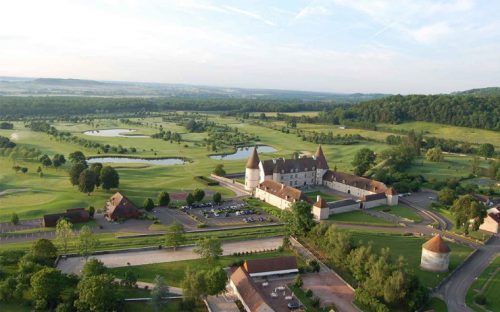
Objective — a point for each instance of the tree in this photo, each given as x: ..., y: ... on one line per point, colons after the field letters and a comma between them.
x: 159, y: 291
x: 43, y: 252
x: 193, y: 286
x: 363, y: 160
x: 58, y: 160
x: 46, y: 287
x: 189, y: 199
x: 86, y: 242
x: 91, y: 212
x: 77, y: 157
x: 109, y: 178
x: 209, y: 248
x: 148, y: 204
x: 93, y: 267
x: 467, y: 208
x: 14, y: 218
x: 219, y: 170
x: 175, y: 235
x: 45, y: 161
x: 130, y: 278
x: 7, y: 289
x: 434, y: 154
x: 486, y: 150
x: 98, y: 293
x: 446, y: 196
x: 217, y: 198
x: 96, y: 168
x: 493, y: 169
x: 198, y: 195
x: 163, y: 199
x: 75, y: 171
x: 301, y: 218
x: 64, y: 233
x: 86, y: 181
x: 24, y: 170
x: 215, y: 280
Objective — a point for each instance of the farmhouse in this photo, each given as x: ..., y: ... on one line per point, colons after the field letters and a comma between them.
x: 278, y: 182
x: 492, y: 221
x: 272, y: 266
x: 120, y: 207
x: 75, y: 215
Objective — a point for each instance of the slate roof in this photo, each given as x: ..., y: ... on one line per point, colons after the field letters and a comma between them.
x: 74, y: 215
x: 285, y: 192
x: 436, y: 244
x: 355, y: 181
x: 341, y: 203
x: 288, y: 165
x: 372, y: 197
x: 248, y: 291
x: 320, y: 159
x: 270, y: 264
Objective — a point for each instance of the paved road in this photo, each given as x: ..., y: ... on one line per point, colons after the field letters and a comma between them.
x: 454, y: 290
x: 121, y: 259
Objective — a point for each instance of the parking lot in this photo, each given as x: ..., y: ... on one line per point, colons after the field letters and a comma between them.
x: 233, y: 212
x: 276, y: 292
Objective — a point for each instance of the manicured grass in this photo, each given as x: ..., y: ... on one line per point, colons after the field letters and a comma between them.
x: 411, y: 248
x: 358, y: 217
x: 173, y: 272
x: 327, y: 197
x: 110, y: 241
x: 488, y: 283
x: 437, y: 305
x: 451, y: 166
x: 401, y: 211
x: 471, y: 135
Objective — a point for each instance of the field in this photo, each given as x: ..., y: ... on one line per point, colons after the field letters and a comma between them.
x: 173, y: 272
x: 487, y: 284
x: 327, y: 197
x: 401, y: 211
x: 358, y: 217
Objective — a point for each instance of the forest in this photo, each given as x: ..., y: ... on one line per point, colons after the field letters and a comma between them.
x: 458, y: 110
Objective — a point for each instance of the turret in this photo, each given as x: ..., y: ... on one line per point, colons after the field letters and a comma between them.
x: 392, y: 196
x: 252, y: 171
x: 435, y: 255
x: 320, y: 209
x: 321, y: 165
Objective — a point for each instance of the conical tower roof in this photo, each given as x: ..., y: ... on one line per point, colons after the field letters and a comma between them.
x: 436, y: 244
x: 253, y: 160
x: 320, y: 159
x: 320, y: 203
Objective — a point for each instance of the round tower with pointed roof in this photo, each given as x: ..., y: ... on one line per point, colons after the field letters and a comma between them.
x: 321, y: 165
x: 252, y: 171
x: 435, y: 255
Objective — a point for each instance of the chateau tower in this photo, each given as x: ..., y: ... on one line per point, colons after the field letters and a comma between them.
x: 321, y: 165
x: 392, y: 196
x: 320, y: 209
x: 252, y: 174
x: 435, y: 255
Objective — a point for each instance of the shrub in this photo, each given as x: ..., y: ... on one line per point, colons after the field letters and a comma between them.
x: 480, y: 299
x: 309, y: 293
x: 298, y: 282
x: 315, y: 302
x: 206, y: 180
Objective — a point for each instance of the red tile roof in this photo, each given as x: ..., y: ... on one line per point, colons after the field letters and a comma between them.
x: 248, y: 291
x: 120, y: 206
x: 436, y: 244
x: 270, y: 264
x: 321, y: 203
x: 288, y: 193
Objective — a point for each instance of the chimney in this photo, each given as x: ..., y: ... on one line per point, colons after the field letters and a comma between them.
x: 282, y: 186
x: 318, y: 198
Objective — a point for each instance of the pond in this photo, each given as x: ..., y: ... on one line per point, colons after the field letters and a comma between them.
x: 129, y: 160
x: 128, y: 133
x: 244, y: 152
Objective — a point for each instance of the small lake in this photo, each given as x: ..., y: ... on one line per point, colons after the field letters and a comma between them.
x: 128, y: 160
x: 128, y: 133
x: 244, y: 153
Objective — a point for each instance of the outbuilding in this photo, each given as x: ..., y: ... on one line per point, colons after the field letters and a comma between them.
x: 435, y: 255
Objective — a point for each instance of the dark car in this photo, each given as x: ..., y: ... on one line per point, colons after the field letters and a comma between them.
x: 293, y: 305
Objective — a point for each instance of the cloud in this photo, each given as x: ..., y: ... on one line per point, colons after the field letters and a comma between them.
x: 431, y: 33
x: 312, y: 10
x: 249, y: 14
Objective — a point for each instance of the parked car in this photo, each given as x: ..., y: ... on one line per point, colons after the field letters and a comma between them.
x: 293, y: 305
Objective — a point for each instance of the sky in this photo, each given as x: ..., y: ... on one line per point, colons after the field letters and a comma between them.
x: 398, y: 46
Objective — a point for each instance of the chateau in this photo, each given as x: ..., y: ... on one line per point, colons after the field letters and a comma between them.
x: 279, y: 182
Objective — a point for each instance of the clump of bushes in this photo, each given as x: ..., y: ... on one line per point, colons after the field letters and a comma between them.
x: 206, y: 180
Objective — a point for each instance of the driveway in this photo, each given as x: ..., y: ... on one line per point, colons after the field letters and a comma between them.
x: 121, y: 259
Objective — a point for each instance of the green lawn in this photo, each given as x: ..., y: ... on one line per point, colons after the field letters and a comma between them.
x: 401, y: 211
x: 451, y: 166
x: 173, y: 272
x: 411, y: 247
x: 490, y: 280
x: 358, y: 217
x: 327, y: 197
x: 437, y: 305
